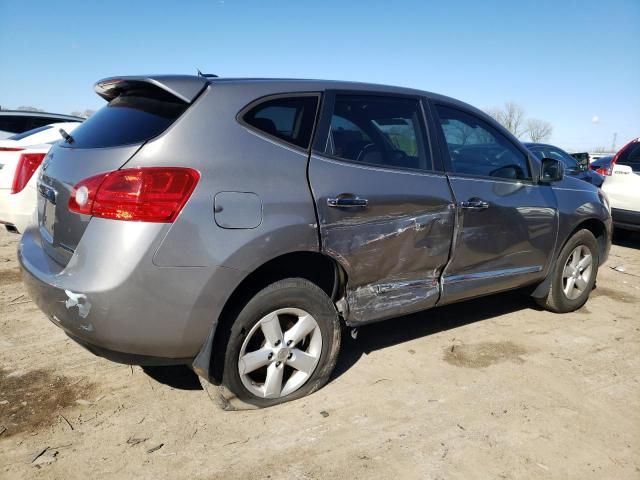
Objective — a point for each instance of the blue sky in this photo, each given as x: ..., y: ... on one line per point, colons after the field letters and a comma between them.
x: 563, y: 61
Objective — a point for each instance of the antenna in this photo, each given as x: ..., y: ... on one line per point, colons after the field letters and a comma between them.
x: 613, y: 144
x: 206, y: 75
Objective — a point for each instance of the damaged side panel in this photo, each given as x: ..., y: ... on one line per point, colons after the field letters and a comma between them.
x: 395, y: 248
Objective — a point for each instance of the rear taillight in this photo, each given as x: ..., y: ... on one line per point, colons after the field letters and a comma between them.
x: 28, y: 163
x: 154, y: 194
x: 11, y: 149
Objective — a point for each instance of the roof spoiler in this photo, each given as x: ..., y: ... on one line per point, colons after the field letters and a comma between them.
x: 184, y: 87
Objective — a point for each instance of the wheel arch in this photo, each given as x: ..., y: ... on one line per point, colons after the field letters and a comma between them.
x: 314, y: 266
x: 599, y: 230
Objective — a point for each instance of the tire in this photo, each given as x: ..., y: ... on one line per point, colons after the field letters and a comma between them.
x: 303, y: 365
x: 557, y: 300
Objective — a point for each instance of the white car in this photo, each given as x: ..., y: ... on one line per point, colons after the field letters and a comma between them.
x: 622, y: 186
x: 20, y: 159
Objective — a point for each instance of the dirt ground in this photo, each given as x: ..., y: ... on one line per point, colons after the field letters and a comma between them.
x: 492, y: 388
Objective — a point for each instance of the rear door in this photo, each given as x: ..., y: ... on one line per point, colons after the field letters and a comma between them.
x: 507, y: 223
x: 385, y: 210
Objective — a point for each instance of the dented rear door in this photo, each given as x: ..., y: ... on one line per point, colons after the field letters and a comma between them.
x: 385, y: 216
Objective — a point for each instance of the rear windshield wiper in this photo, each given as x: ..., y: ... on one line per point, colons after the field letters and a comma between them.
x: 67, y: 138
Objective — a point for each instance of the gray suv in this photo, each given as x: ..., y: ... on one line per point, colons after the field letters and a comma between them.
x: 235, y: 225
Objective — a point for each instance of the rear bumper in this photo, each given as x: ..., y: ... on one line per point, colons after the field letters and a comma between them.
x: 112, y: 299
x: 626, y: 219
x: 17, y: 210
x: 129, y: 358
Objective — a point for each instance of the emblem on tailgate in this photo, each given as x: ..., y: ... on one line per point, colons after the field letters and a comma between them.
x: 47, y: 192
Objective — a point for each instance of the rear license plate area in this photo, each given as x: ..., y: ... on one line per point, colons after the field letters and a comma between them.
x: 47, y: 208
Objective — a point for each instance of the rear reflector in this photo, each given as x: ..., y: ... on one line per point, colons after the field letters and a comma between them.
x: 155, y: 194
x: 28, y: 163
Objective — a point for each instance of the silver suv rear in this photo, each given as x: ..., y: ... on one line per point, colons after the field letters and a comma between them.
x: 235, y: 225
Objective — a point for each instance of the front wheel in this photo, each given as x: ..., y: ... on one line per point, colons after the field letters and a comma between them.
x: 574, y: 274
x: 283, y: 345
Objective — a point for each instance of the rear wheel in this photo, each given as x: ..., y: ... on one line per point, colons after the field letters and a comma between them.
x: 283, y: 345
x: 574, y: 274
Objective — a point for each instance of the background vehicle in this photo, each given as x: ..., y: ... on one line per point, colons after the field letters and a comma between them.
x: 583, y: 158
x: 299, y: 205
x: 622, y: 186
x: 601, y: 165
x: 572, y: 166
x: 20, y: 158
x: 19, y: 121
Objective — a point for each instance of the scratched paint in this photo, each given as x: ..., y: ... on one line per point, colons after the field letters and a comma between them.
x: 407, y: 251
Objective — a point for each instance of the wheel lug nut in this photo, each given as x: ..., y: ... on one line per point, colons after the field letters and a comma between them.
x: 289, y: 356
x: 278, y: 364
x: 277, y: 342
x: 270, y: 356
x: 289, y: 342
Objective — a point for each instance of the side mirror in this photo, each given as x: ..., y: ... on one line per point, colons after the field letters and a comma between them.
x: 551, y: 170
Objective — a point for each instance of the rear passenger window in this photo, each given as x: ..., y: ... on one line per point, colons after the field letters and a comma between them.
x: 385, y: 131
x: 477, y: 148
x: 288, y: 118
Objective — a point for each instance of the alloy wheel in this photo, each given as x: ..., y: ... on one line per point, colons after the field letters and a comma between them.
x: 577, y: 272
x: 280, y: 353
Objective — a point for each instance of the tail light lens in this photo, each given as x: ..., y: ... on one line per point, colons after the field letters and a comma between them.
x: 28, y: 163
x: 11, y: 149
x: 154, y: 194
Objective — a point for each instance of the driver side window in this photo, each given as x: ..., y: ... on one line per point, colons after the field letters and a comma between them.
x: 376, y: 130
x: 477, y: 148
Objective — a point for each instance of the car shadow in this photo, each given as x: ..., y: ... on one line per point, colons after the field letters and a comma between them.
x: 627, y: 239
x: 180, y: 377
x: 398, y: 330
x: 383, y: 334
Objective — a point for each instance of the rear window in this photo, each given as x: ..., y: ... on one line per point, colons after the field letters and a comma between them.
x: 14, y: 123
x: 631, y: 157
x: 132, y: 117
x: 287, y: 118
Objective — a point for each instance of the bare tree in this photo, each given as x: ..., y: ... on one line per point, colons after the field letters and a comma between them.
x: 84, y: 114
x: 538, y: 130
x: 25, y: 108
x: 511, y: 117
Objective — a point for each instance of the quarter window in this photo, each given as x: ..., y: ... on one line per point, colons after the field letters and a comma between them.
x: 384, y: 131
x: 287, y: 118
x: 477, y: 148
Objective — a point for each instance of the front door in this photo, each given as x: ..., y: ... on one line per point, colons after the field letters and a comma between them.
x: 386, y: 215
x: 507, y: 222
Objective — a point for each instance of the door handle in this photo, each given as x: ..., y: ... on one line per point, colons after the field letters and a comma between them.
x: 474, y: 204
x: 347, y: 202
